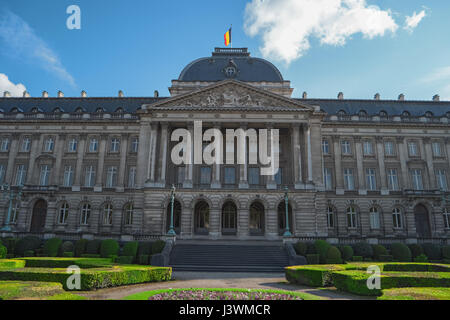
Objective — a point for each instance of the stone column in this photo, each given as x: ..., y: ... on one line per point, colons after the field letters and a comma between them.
x: 380, y: 156
x: 56, y: 174
x: 297, y: 156
x: 403, y: 152
x: 243, y: 177
x: 187, y: 217
x: 430, y: 165
x: 79, y: 166
x: 309, y: 154
x: 100, y: 163
x: 189, y: 169
x: 360, y: 167
x: 35, y: 150
x: 215, y: 222
x: 215, y: 181
x: 152, y: 154
x: 271, y: 223
x: 447, y: 142
x: 243, y: 222
x: 163, y: 155
x: 339, y: 180
x: 271, y: 183
x: 11, y: 158
x: 123, y: 162
x: 143, y: 152
x: 316, y: 153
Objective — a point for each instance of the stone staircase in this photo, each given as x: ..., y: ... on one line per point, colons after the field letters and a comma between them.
x: 229, y: 257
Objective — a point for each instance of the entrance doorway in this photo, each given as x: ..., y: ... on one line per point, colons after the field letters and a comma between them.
x: 39, y: 216
x: 229, y: 218
x: 423, y: 229
x: 256, y: 223
x: 201, y: 218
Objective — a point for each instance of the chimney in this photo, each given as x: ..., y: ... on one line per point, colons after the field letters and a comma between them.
x: 377, y: 96
x: 340, y: 95
x: 44, y: 94
x: 436, y: 98
x: 83, y: 94
x: 60, y: 94
x: 304, y: 95
x: 401, y: 97
x: 6, y: 94
x: 156, y: 94
x: 26, y: 94
x: 121, y: 95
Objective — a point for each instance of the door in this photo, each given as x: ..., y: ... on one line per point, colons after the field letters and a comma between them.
x: 422, y: 222
x: 201, y: 218
x: 229, y: 219
x: 39, y: 216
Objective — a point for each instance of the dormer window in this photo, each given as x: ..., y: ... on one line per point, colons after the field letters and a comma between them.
x: 362, y: 114
x: 15, y: 110
x: 119, y: 110
x: 428, y: 114
x: 383, y: 114
x: 79, y: 110
x: 57, y: 110
x: 99, y: 110
x: 34, y: 110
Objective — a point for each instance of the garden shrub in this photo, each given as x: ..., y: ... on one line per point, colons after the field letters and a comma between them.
x: 322, y: 249
x: 363, y: 249
x: 367, y: 259
x: 124, y: 260
x: 10, y: 244
x: 80, y: 247
x: 301, y: 248
x: 378, y: 251
x: 386, y: 258
x: 317, y: 276
x: 347, y: 253
x: 26, y: 244
x: 416, y: 250
x: 67, y: 254
x: 66, y: 262
x: 28, y: 253
x: 9, y: 256
x: 90, y: 255
x: 311, y: 248
x: 446, y: 261
x: 3, y: 252
x: 357, y: 258
x: 93, y: 246
x: 11, y: 264
x: 333, y: 255
x: 421, y: 258
x: 51, y: 247
x: 130, y: 249
x: 144, y: 247
x: 66, y: 246
x: 446, y: 252
x: 144, y: 259
x: 432, y: 251
x: 109, y: 248
x: 158, y: 246
x: 313, y: 258
x: 401, y: 252
x: 415, y: 267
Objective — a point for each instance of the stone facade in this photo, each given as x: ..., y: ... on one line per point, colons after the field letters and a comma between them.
x: 101, y: 167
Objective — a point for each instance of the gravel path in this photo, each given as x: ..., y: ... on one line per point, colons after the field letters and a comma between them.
x: 219, y: 280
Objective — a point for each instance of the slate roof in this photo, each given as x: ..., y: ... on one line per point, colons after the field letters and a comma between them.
x: 249, y: 69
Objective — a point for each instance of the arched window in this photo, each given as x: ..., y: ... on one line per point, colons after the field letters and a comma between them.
x: 447, y: 218
x: 14, y: 110
x: 107, y: 214
x: 383, y: 114
x: 362, y: 113
x: 406, y: 115
x: 79, y: 110
x: 330, y: 217
x: 397, y: 218
x: 351, y: 217
x: 34, y: 110
x: 201, y: 218
x: 119, y: 110
x: 85, y: 214
x: 256, y: 224
x: 428, y: 114
x: 63, y: 213
x: 229, y: 218
x: 374, y: 218
x: 100, y: 110
x: 128, y: 214
x: 57, y: 110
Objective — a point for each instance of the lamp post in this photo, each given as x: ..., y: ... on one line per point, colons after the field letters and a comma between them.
x: 287, y: 233
x: 12, y: 196
x: 171, y: 231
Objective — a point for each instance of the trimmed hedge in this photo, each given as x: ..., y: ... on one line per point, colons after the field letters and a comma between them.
x: 378, y: 251
x: 313, y: 258
x: 130, y: 249
x: 333, y: 256
x: 144, y: 259
x: 347, y: 253
x: 415, y: 267
x: 322, y: 249
x: 90, y: 255
x: 145, y: 248
x: 67, y: 246
x: 386, y: 258
x: 84, y: 263
x: 432, y: 251
x: 51, y: 247
x: 301, y: 248
x: 11, y: 264
x: 80, y: 247
x: 10, y: 244
x: 158, y: 246
x: 3, y: 252
x: 93, y: 246
x: 363, y: 249
x: 124, y: 260
x: 28, y: 253
x: 357, y: 258
x: 109, y: 248
x: 91, y: 278
x: 29, y: 243
x: 314, y: 276
x: 68, y: 254
x: 421, y: 258
x: 446, y: 252
x: 401, y: 252
x: 416, y: 250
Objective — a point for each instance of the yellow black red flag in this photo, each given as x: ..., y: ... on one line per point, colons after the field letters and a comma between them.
x: 227, y: 37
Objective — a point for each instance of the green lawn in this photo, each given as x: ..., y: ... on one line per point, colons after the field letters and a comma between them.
x: 416, y: 294
x: 31, y: 290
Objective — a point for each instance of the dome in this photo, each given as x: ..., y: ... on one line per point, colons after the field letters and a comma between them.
x: 231, y: 63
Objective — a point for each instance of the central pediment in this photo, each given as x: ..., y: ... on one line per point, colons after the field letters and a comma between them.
x: 230, y: 95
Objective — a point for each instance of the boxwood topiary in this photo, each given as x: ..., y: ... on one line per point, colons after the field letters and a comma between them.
x: 378, y: 251
x: 322, y: 249
x: 301, y: 248
x: 386, y: 258
x: 130, y: 249
x: 311, y: 248
x: 432, y: 251
x: 80, y: 247
x: 357, y: 258
x: 3, y: 252
x: 446, y: 252
x: 66, y: 246
x: 421, y: 258
x: 347, y: 253
x: 158, y: 246
x: 10, y: 244
x: 363, y: 249
x: 333, y: 255
x: 93, y: 246
x: 51, y: 247
x: 26, y: 244
x: 108, y: 248
x: 313, y: 258
x: 416, y: 250
x: 28, y: 253
x: 124, y: 260
x: 401, y: 252
x: 145, y: 248
x: 144, y: 259
x: 68, y: 254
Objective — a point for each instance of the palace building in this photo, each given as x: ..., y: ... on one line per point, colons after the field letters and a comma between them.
x: 97, y: 167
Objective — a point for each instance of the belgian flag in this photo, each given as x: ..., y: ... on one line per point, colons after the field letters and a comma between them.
x: 227, y: 37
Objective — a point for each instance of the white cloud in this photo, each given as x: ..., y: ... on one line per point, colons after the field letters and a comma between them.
x: 16, y: 90
x: 413, y: 21
x: 440, y: 74
x: 287, y: 26
x: 20, y: 41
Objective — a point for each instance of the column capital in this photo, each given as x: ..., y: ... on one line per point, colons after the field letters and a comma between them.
x: 164, y: 125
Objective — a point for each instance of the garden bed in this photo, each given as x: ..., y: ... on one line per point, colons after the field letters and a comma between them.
x: 30, y: 290
x: 416, y: 294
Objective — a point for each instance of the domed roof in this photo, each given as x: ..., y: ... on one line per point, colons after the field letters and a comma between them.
x: 231, y: 63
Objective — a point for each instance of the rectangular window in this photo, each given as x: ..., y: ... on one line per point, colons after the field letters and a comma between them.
x: 135, y: 145
x: 111, y: 177
x: 412, y: 149
x: 26, y: 145
x: 4, y: 147
x: 21, y: 174
x: 371, y: 181
x: 393, y: 180
x: 230, y: 175
x: 325, y: 147
x: 417, y: 181
x: 436, y: 146
x: 49, y: 145
x: 327, y: 178
x: 68, y: 176
x: 44, y: 176
x: 93, y: 145
x: 205, y: 175
x: 89, y: 178
x: 389, y: 148
x: 132, y: 177
x: 73, y: 145
x: 447, y: 218
x: 346, y: 147
x: 368, y: 148
x: 441, y: 179
x: 330, y: 217
x: 348, y: 179
x: 115, y: 144
x: 2, y: 173
x: 253, y: 176
x: 374, y: 218
x: 180, y: 174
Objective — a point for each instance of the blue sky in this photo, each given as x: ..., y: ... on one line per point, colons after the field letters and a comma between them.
x: 139, y: 46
